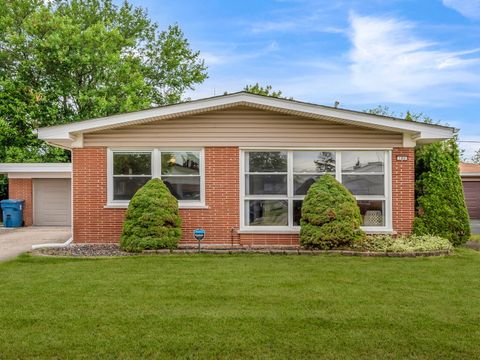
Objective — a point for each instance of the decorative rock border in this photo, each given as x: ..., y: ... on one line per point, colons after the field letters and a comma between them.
x: 473, y: 245
x: 101, y: 250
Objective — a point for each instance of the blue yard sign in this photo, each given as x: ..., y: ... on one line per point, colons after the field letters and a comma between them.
x: 199, y: 234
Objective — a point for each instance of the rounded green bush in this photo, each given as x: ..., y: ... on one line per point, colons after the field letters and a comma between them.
x: 440, y: 202
x: 152, y: 220
x: 330, y: 216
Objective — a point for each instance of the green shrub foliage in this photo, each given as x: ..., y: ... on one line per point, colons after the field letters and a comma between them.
x: 402, y: 244
x: 152, y: 220
x: 330, y: 216
x: 440, y: 202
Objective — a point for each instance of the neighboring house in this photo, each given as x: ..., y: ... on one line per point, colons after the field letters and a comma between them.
x: 470, y: 174
x: 239, y: 164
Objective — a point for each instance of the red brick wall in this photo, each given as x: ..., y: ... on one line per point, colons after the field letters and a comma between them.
x: 91, y: 221
x: 269, y: 239
x: 21, y: 189
x: 222, y: 192
x: 403, y: 190
x: 94, y: 223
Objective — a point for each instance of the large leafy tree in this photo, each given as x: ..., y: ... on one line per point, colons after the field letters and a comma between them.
x: 69, y: 60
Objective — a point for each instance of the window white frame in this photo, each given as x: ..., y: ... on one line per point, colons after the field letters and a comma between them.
x: 156, y: 173
x: 387, y: 197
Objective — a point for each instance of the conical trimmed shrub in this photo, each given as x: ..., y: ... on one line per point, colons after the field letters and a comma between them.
x: 330, y: 216
x: 440, y: 201
x: 152, y: 220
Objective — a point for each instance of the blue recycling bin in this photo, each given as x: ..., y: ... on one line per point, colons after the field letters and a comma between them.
x: 12, y: 213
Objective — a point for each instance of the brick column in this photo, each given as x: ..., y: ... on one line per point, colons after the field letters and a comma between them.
x: 403, y: 189
x: 21, y: 189
x: 221, y: 219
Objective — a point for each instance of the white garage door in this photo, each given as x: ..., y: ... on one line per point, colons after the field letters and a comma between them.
x: 51, y: 202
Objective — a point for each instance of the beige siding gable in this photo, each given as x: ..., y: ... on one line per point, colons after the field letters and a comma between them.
x: 244, y: 126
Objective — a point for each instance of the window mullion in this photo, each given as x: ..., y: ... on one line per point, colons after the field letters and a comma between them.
x: 338, y: 166
x: 290, y: 190
x: 157, y: 164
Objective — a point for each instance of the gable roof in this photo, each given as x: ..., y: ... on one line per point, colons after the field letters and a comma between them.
x: 70, y: 135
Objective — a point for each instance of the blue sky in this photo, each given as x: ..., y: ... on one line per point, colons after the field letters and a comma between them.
x: 422, y: 56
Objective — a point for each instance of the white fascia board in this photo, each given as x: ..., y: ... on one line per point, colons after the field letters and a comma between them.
x: 51, y: 168
x: 67, y: 133
x: 39, y: 175
x: 472, y: 174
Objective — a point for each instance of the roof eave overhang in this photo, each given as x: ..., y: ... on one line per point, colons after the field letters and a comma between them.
x: 36, y: 170
x: 67, y: 136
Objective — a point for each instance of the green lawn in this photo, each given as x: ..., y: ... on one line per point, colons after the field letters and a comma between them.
x: 242, y: 306
x: 475, y: 237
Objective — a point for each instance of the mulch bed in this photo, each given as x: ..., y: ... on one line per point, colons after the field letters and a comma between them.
x: 96, y: 250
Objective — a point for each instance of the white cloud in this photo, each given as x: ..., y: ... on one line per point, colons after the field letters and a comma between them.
x: 390, y: 62
x: 307, y: 24
x: 387, y: 60
x: 468, y: 8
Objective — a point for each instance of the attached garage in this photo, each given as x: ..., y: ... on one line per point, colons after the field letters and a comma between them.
x: 52, y: 202
x: 471, y: 186
x: 46, y: 189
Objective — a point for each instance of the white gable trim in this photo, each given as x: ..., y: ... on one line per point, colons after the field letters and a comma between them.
x: 69, y: 135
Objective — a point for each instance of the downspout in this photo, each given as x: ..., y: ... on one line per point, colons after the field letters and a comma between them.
x: 53, y: 245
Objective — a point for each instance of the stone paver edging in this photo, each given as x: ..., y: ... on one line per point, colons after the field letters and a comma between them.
x: 95, y: 250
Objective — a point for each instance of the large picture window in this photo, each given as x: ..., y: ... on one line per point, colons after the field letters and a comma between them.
x: 275, y: 183
x: 181, y: 171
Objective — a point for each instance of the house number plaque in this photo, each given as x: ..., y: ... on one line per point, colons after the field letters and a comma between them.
x: 402, y: 158
x: 199, y: 235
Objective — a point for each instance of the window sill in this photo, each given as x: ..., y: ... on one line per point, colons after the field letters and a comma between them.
x: 280, y: 231
x: 372, y: 231
x: 369, y: 231
x: 186, y: 206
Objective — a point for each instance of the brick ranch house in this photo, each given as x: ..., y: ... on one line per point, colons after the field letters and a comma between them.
x: 239, y: 164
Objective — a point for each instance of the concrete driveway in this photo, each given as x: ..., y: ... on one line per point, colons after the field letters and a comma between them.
x: 15, y: 241
x: 475, y: 226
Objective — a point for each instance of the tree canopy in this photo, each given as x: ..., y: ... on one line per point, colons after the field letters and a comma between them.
x: 476, y: 157
x: 68, y: 60
x: 263, y: 90
x: 384, y: 110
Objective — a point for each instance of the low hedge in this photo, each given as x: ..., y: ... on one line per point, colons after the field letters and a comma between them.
x: 400, y: 244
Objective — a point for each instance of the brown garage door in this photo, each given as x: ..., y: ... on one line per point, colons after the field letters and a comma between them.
x: 51, y: 202
x: 472, y: 197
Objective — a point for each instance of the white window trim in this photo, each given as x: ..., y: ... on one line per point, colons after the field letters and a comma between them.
x: 156, y: 173
x: 388, y: 228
